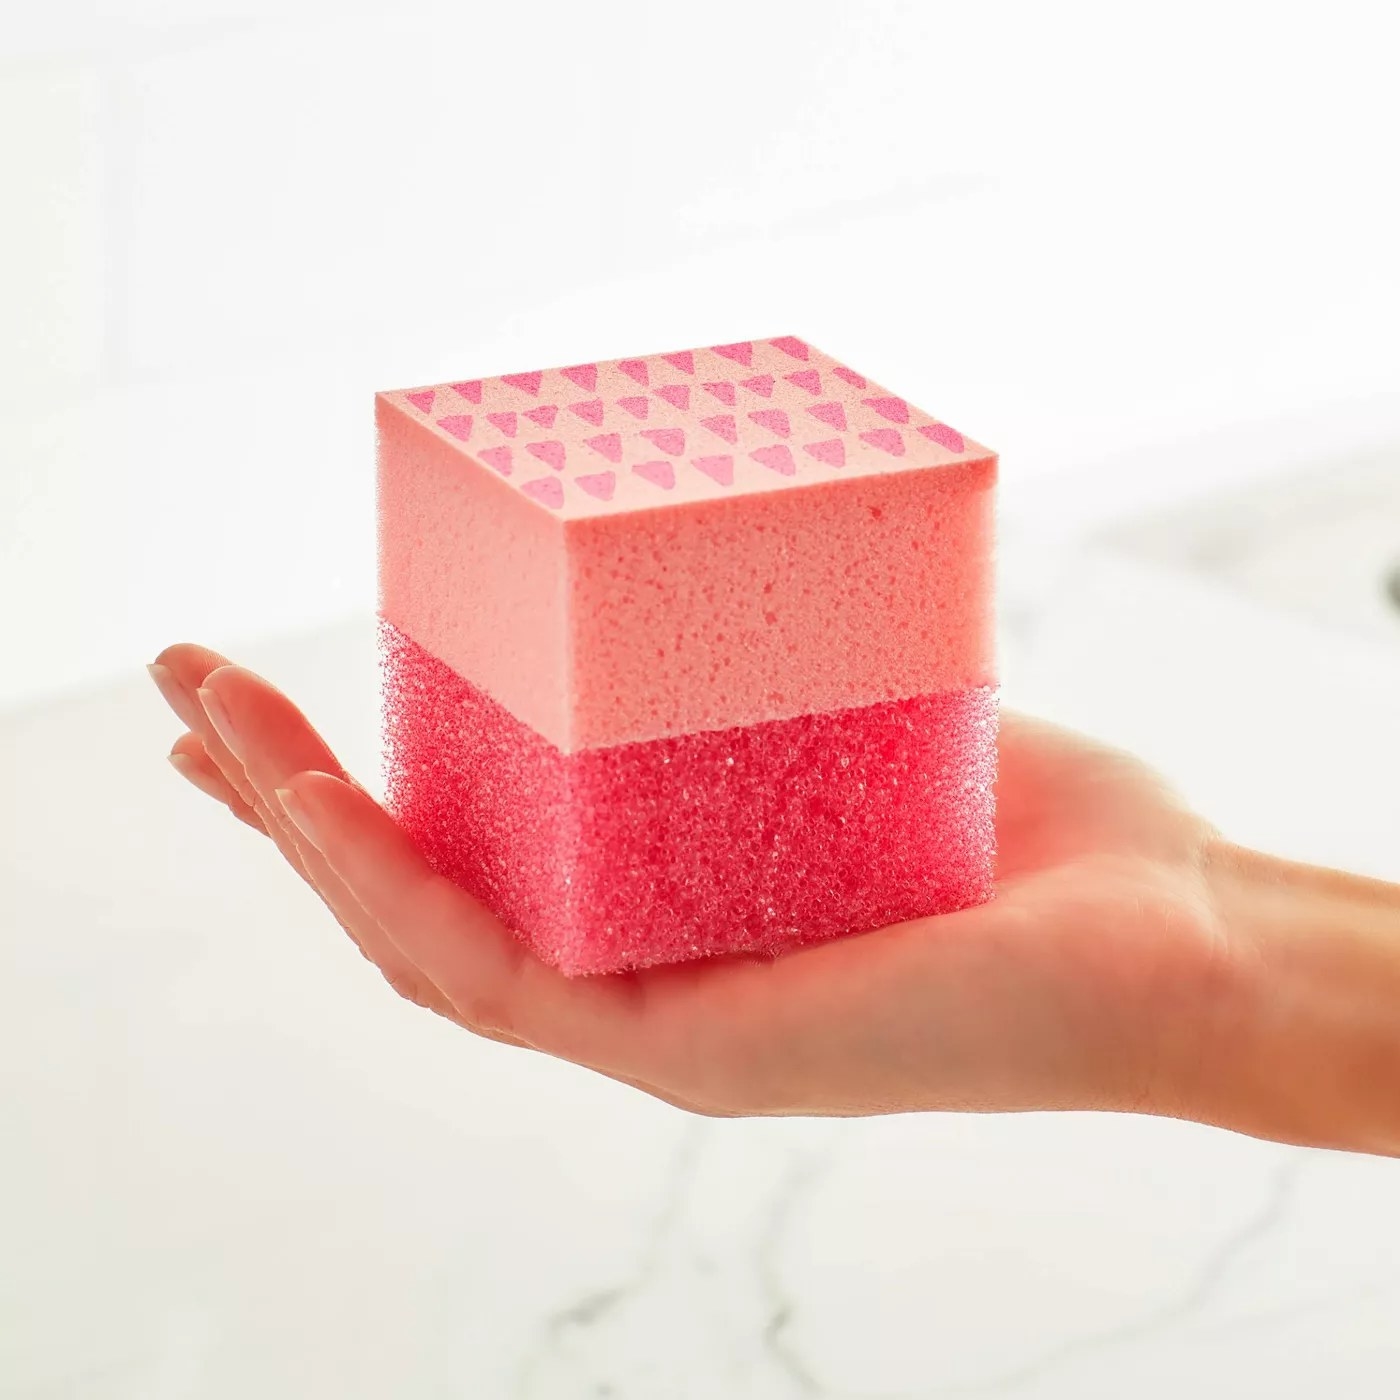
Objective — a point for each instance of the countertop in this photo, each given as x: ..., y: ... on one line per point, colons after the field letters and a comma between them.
x: 235, y: 1165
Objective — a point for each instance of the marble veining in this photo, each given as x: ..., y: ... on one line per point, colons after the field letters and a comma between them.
x: 593, y: 1307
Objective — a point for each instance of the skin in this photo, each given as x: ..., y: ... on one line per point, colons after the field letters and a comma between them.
x: 1132, y: 959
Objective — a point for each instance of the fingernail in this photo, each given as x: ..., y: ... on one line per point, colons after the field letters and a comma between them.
x: 172, y: 692
x: 299, y: 816
x: 223, y: 725
x: 192, y: 773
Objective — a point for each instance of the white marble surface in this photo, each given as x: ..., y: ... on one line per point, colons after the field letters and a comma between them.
x: 234, y: 1165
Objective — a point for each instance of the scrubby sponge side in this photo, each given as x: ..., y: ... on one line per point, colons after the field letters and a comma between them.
x: 755, y: 838
x: 689, y: 653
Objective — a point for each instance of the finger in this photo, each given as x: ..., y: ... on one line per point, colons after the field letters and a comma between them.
x: 179, y: 673
x: 191, y: 761
x: 272, y: 740
x: 417, y: 988
x: 497, y: 987
x: 499, y: 990
x: 480, y: 965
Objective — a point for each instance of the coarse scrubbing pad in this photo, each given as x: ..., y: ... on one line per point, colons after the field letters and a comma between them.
x: 688, y: 654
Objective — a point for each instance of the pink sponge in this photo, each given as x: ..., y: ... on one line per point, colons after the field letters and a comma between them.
x: 689, y: 654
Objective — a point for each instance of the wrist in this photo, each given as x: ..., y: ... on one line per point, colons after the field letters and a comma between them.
x: 1307, y: 1041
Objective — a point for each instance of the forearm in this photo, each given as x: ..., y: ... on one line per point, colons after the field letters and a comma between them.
x: 1307, y: 1046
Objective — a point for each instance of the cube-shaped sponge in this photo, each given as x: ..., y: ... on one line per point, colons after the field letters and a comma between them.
x: 689, y: 653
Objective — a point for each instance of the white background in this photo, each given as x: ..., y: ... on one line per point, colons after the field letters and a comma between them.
x: 1072, y: 230
x: 1149, y: 253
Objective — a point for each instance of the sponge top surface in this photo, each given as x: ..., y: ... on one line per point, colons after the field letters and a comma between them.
x: 616, y: 436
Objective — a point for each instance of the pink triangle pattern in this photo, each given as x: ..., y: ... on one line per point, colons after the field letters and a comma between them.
x: 635, y: 421
x: 896, y: 410
x: 661, y: 474
x: 944, y: 436
x: 607, y: 445
x: 550, y: 453
x: 722, y: 425
x: 774, y: 419
x: 741, y: 352
x: 777, y: 458
x: 547, y: 490
x: 458, y: 424
x: 720, y: 469
x: 886, y: 439
x: 598, y: 484
x: 790, y: 345
x: 671, y: 440
x: 590, y: 410
x: 585, y: 376
x: 832, y: 451
x: 833, y: 414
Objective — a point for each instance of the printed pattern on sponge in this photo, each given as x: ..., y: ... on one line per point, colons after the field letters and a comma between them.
x: 625, y: 435
x: 689, y: 654
x: 756, y: 839
x: 766, y: 597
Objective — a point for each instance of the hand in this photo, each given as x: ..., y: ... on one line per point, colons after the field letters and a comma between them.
x: 1095, y: 979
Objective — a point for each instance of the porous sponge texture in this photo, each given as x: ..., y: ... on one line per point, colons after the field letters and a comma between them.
x: 690, y: 653
x: 768, y: 607
x: 755, y: 838
x: 474, y: 573
x: 796, y: 582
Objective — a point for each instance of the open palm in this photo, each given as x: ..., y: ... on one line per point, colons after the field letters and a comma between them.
x: 1086, y: 982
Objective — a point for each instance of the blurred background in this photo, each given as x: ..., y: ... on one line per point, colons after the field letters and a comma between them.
x: 1147, y: 253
